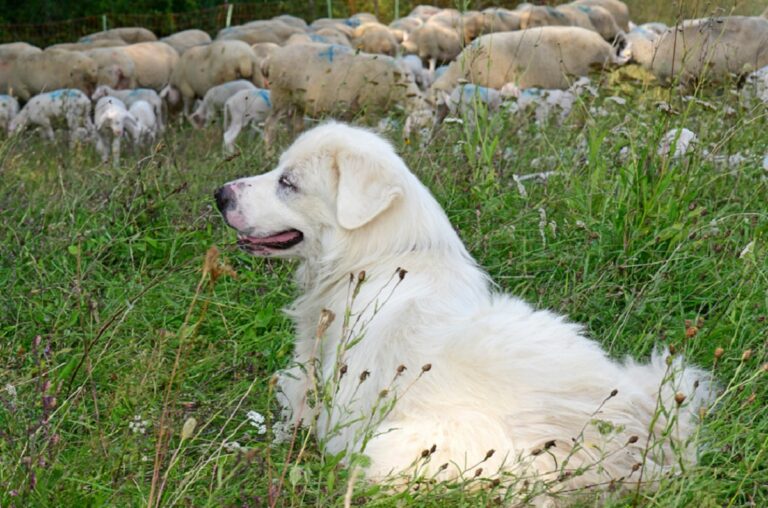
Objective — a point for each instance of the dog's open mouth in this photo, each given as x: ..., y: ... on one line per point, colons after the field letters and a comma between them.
x: 278, y: 241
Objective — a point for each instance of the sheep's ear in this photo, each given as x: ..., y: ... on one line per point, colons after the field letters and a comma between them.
x: 367, y: 187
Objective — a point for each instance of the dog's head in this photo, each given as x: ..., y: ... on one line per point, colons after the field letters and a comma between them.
x: 332, y: 182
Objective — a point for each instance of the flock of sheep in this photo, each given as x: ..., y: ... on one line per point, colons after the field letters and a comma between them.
x: 428, y: 63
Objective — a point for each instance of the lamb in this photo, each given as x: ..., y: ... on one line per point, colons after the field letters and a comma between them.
x: 182, y: 41
x: 545, y: 57
x: 317, y: 79
x: 54, y: 69
x: 9, y: 108
x: 434, y: 42
x: 129, y: 97
x: 214, y: 101
x: 112, y: 119
x: 115, y: 68
x: 375, y: 38
x: 246, y: 107
x: 48, y: 110
x: 130, y: 35
x: 154, y: 62
x: 203, y: 67
x: 148, y: 121
x: 413, y: 65
x: 707, y: 49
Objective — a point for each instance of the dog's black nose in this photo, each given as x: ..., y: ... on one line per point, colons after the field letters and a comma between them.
x: 225, y: 198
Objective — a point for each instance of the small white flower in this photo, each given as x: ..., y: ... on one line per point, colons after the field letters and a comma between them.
x: 137, y: 425
x: 233, y: 446
x: 256, y: 420
x: 11, y: 390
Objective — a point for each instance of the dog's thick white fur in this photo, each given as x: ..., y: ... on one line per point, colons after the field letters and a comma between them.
x: 525, y: 383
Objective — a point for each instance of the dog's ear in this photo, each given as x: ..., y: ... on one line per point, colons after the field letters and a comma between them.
x: 366, y: 189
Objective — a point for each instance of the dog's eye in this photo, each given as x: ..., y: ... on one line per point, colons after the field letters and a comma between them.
x: 286, y: 183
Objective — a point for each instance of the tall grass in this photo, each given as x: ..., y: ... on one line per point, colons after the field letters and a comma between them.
x: 127, y: 377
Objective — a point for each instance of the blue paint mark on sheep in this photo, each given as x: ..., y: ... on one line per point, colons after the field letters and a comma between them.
x: 440, y: 71
x: 353, y: 22
x: 531, y: 92
x: 264, y: 94
x: 584, y: 8
x: 333, y: 50
x: 64, y: 93
x: 468, y: 92
x: 318, y: 38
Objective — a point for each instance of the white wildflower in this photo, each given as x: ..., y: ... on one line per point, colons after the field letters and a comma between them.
x: 11, y: 390
x: 137, y: 425
x: 233, y: 446
x: 256, y: 420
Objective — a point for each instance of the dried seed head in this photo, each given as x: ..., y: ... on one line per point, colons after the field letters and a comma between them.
x: 400, y: 369
x: 432, y: 449
x: 718, y: 353
x: 691, y: 331
x: 426, y: 367
x: 478, y: 471
x: 489, y: 454
x: 495, y: 482
x: 672, y: 349
x: 636, y: 466
x: 632, y: 439
x: 537, y: 451
x: 383, y: 393
x: 679, y: 398
x: 361, y: 276
x: 401, y: 273
x: 614, y: 392
x: 765, y: 367
x: 424, y: 453
x: 549, y: 444
x: 444, y: 467
x: 751, y: 398
x: 746, y: 355
x: 343, y: 369
x: 364, y: 375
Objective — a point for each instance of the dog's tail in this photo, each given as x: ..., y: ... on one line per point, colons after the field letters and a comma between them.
x: 678, y: 396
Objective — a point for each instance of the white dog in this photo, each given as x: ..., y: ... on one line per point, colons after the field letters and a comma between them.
x: 433, y: 372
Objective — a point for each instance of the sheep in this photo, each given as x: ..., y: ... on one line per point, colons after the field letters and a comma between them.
x: 9, y: 53
x: 130, y: 35
x: 710, y: 49
x: 424, y: 12
x: 756, y: 85
x: 532, y: 16
x: 214, y: 100
x: 112, y: 119
x: 9, y: 108
x: 617, y: 8
x: 115, y: 68
x: 412, y: 64
x: 153, y: 63
x: 405, y: 27
x: 182, y: 41
x: 543, y: 57
x: 546, y: 102
x: 246, y: 107
x: 465, y: 98
x: 291, y: 20
x: 53, y: 69
x: 273, y: 31
x: 497, y: 19
x: 345, y: 26
x: 330, y: 35
x: 148, y: 121
x: 317, y: 79
x: 601, y: 19
x: 435, y: 43
x: 261, y: 51
x: 48, y: 110
x: 84, y: 46
x: 129, y: 97
x: 375, y: 38
x: 203, y: 67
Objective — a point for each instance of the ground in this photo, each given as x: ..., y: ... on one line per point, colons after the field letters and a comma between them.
x: 112, y: 330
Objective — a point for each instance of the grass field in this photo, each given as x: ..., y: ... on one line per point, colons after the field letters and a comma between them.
x: 111, y: 338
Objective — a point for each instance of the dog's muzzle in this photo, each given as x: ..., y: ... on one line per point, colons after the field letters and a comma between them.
x: 225, y: 198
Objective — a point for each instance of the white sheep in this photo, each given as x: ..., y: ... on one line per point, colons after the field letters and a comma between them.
x: 112, y: 119
x: 545, y: 102
x: 48, y: 110
x: 131, y: 96
x: 145, y: 115
x: 214, y: 101
x: 467, y: 97
x: 9, y: 108
x: 246, y: 107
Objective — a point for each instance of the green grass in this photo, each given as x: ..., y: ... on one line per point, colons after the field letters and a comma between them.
x: 103, y: 265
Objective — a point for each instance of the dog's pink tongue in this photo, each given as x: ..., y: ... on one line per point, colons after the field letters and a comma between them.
x: 285, y: 236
